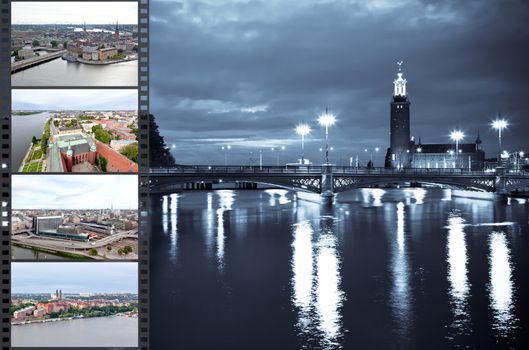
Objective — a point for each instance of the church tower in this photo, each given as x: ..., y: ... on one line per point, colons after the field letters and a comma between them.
x: 400, y: 149
x: 116, y: 33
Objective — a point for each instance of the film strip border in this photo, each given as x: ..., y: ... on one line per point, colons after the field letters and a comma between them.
x: 5, y: 194
x: 143, y: 180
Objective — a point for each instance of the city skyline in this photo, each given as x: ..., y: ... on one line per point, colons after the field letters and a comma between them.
x: 53, y: 12
x: 250, y: 74
x: 68, y: 99
x: 74, y: 192
x: 74, y: 277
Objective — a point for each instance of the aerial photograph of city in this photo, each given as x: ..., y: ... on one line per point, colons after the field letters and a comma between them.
x: 74, y: 131
x: 74, y: 304
x: 81, y: 217
x: 339, y: 174
x: 74, y: 43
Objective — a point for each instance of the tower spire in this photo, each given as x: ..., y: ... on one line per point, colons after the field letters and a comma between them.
x: 399, y: 84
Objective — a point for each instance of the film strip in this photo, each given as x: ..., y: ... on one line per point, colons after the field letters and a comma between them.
x: 143, y: 175
x: 5, y: 114
x: 143, y: 180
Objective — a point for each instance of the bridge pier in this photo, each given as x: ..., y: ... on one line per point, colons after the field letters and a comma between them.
x: 501, y: 187
x: 500, y: 183
x: 327, y: 189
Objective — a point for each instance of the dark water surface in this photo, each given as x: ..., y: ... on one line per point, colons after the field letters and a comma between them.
x: 381, y: 269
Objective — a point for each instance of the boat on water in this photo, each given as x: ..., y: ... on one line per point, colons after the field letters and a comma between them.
x: 69, y: 58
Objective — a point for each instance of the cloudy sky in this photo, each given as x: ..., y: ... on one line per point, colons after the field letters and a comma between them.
x: 74, y: 12
x: 244, y: 73
x: 100, y: 277
x: 75, y: 191
x: 74, y: 99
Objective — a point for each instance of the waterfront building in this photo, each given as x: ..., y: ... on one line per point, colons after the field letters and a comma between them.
x: 74, y: 49
x: 404, y: 152
x: 23, y: 312
x: 106, y: 53
x: 39, y: 312
x: 60, y: 306
x: 89, y: 52
x: 26, y: 53
x: 434, y: 156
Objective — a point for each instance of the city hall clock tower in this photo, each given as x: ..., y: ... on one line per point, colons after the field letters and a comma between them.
x: 400, y: 150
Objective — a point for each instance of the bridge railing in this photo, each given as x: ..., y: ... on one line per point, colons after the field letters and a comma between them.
x: 236, y: 169
x: 316, y: 170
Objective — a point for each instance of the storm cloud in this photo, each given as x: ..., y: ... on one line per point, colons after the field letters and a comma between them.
x: 245, y: 73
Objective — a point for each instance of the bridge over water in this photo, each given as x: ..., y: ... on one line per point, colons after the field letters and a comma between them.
x: 33, y: 61
x: 330, y: 179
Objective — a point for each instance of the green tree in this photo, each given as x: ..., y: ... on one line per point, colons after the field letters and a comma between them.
x: 96, y: 127
x: 54, y: 43
x: 45, y: 137
x: 159, y: 153
x: 128, y: 249
x: 34, y: 140
x: 15, y: 52
x: 92, y: 252
x: 103, y: 136
x: 131, y: 151
x: 109, y: 247
x: 103, y: 164
x: 35, y: 43
x: 64, y: 44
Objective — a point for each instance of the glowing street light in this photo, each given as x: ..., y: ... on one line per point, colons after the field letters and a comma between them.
x: 457, y: 135
x: 499, y: 124
x: 376, y: 149
x: 302, y: 130
x: 326, y: 120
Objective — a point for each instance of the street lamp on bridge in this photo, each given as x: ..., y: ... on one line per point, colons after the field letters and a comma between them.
x: 457, y: 135
x: 302, y: 130
x: 376, y: 149
x: 499, y: 124
x: 326, y: 120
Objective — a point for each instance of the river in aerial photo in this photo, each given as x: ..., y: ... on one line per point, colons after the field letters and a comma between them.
x: 411, y: 268
x: 24, y: 127
x: 111, y: 331
x: 59, y: 72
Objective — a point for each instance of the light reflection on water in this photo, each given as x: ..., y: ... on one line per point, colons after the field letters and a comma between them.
x: 316, y: 278
x: 400, y: 292
x: 458, y: 274
x: 226, y: 200
x: 170, y: 217
x: 320, y: 261
x: 501, y: 283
